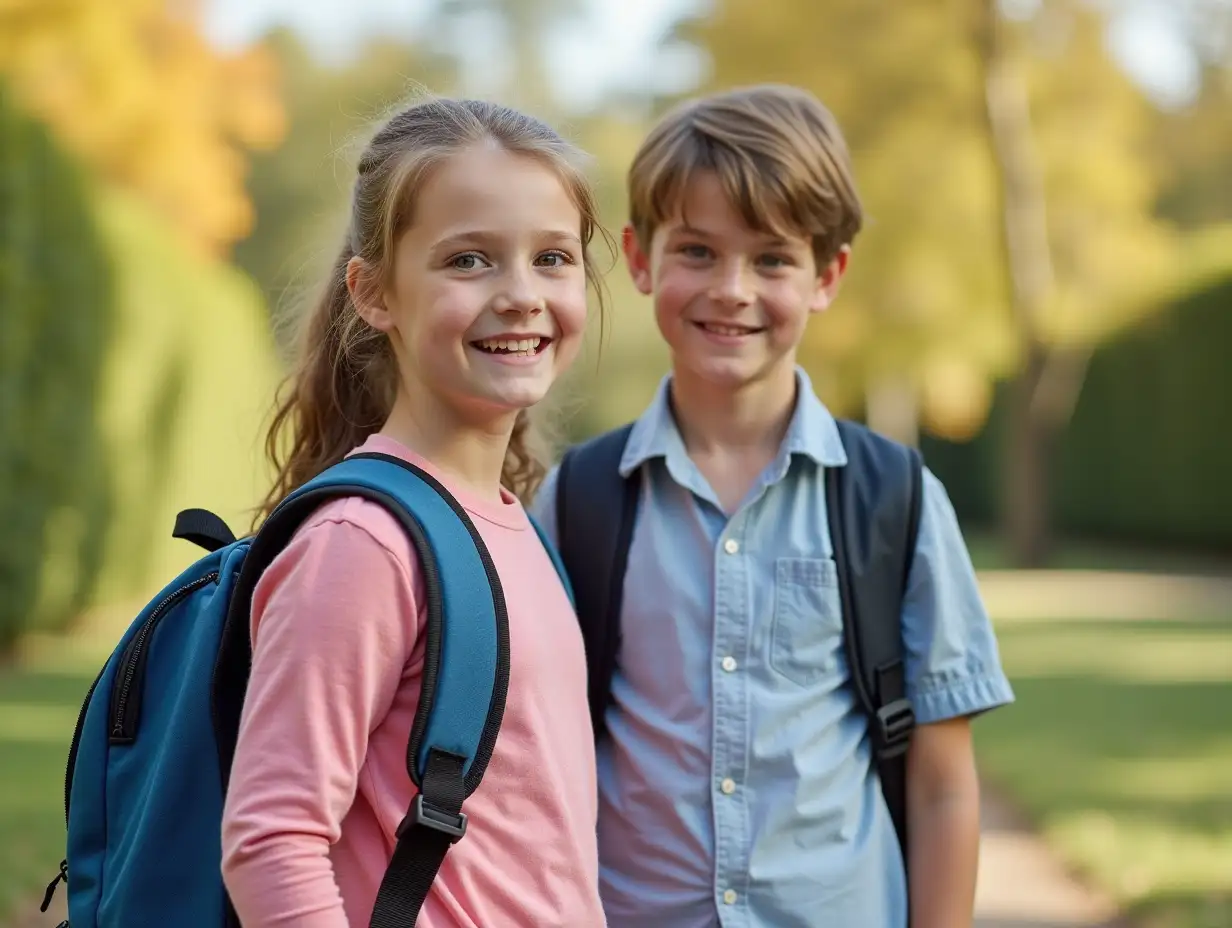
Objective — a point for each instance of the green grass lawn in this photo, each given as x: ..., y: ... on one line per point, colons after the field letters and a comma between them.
x: 1120, y: 749
x: 38, y: 709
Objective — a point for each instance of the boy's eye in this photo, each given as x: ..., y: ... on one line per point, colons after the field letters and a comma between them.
x: 775, y: 261
x: 695, y: 251
x: 467, y: 261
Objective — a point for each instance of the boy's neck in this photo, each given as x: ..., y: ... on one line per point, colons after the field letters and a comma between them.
x: 471, y: 453
x: 732, y: 435
x: 752, y: 417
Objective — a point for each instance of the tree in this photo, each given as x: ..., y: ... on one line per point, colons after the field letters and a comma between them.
x: 1080, y: 238
x: 1194, y: 141
x: 134, y: 89
x: 56, y: 308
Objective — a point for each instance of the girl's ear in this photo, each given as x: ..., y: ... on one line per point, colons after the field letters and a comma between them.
x: 365, y: 289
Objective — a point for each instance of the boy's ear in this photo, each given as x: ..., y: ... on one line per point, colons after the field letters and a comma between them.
x: 365, y: 293
x: 638, y: 261
x: 829, y: 278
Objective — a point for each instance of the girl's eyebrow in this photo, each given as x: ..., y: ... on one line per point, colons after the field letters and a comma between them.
x: 486, y: 237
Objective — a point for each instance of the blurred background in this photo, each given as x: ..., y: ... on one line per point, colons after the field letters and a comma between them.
x: 1041, y: 300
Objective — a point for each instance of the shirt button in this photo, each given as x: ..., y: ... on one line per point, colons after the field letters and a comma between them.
x: 731, y: 546
x: 730, y: 897
x: 729, y: 663
x: 728, y: 786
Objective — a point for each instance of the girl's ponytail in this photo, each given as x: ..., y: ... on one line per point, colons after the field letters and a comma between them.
x: 340, y: 393
x: 525, y: 458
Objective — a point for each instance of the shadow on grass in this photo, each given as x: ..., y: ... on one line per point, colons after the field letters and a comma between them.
x: 1120, y: 748
x: 38, y: 710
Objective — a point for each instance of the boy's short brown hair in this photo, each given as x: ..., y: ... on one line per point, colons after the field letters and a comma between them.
x: 777, y: 152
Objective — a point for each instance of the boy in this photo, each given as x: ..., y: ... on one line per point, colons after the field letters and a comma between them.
x: 737, y: 783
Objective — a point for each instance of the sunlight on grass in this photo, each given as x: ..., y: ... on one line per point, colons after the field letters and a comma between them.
x: 35, y: 723
x: 1150, y: 654
x: 1137, y: 856
x: 38, y: 710
x: 1119, y: 747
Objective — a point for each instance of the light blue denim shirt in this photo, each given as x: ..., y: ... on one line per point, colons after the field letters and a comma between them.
x: 736, y: 787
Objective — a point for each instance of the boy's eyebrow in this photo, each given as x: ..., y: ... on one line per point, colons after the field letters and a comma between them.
x: 487, y: 237
x: 769, y: 240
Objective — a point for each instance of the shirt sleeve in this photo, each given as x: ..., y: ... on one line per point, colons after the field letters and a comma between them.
x: 334, y: 621
x: 953, y: 667
x: 543, y: 508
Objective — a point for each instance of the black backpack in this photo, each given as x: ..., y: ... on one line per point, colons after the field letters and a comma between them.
x: 874, y: 515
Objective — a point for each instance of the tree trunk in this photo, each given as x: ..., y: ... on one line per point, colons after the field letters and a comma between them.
x: 1037, y: 391
x: 1025, y: 473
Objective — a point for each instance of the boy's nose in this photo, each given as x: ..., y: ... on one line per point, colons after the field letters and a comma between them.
x: 732, y: 288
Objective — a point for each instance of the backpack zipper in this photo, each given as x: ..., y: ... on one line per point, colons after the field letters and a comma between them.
x: 72, y: 751
x: 132, y: 663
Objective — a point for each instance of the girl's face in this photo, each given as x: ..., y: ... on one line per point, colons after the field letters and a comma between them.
x: 486, y: 303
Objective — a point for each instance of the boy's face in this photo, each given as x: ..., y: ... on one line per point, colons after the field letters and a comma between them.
x: 731, y: 302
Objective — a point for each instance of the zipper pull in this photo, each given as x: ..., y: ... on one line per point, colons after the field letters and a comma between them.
x: 51, y: 887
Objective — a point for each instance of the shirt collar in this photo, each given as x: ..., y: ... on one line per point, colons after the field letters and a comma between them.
x: 812, y: 432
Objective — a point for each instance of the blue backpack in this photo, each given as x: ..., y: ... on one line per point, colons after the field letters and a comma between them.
x: 151, y: 754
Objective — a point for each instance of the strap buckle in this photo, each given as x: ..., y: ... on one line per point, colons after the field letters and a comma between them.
x: 895, y: 722
x: 427, y: 816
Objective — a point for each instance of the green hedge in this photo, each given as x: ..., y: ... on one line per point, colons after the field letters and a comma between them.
x: 56, y: 303
x: 1147, y: 456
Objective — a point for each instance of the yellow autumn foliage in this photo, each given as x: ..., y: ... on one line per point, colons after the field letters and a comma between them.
x: 136, y: 91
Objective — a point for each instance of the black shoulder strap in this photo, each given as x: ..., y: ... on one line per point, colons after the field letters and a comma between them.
x: 595, y: 512
x: 873, y: 504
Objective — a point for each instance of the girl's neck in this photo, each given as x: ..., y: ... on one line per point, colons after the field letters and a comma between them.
x: 751, y: 419
x: 471, y: 452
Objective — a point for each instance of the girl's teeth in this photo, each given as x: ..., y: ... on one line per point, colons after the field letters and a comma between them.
x: 521, y: 346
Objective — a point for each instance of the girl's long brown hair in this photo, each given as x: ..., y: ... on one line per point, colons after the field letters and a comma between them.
x: 342, y: 385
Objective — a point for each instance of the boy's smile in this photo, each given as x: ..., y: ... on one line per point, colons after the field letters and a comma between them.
x: 731, y: 301
x: 728, y: 334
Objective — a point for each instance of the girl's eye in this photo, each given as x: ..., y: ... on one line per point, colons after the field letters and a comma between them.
x: 466, y: 262
x: 554, y: 259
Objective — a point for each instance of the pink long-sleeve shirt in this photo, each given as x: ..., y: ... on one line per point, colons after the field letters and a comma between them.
x: 319, y: 783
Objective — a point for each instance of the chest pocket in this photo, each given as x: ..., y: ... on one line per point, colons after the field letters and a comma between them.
x: 806, y: 634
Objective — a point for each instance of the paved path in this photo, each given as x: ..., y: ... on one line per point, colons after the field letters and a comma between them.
x: 1021, y: 885
x: 1058, y: 595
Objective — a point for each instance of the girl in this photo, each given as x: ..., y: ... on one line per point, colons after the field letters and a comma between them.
x: 458, y: 298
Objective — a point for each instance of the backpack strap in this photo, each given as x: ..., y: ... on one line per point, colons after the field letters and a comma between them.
x: 873, y: 505
x: 466, y: 661
x: 596, y: 510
